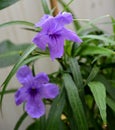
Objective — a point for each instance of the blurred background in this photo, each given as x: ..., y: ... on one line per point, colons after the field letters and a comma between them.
x: 31, y: 10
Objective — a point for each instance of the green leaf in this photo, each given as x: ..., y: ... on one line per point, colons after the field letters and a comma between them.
x: 111, y: 119
x: 17, y: 23
x: 99, y: 92
x: 68, y: 47
x: 66, y: 5
x: 91, y: 24
x: 10, y: 53
x: 20, y: 121
x: 55, y: 112
x: 39, y: 124
x: 45, y: 7
x: 34, y: 126
x: 75, y: 69
x: 109, y: 87
x: 6, y: 3
x: 93, y: 50
x: 74, y: 49
x: 107, y: 41
x: 66, y: 8
x: 10, y: 91
x: 63, y: 125
x: 14, y: 69
x: 70, y: 117
x: 92, y: 74
x: 113, y: 25
x: 75, y: 103
x: 111, y: 103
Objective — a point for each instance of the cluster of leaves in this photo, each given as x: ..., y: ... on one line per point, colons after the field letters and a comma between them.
x: 86, y: 78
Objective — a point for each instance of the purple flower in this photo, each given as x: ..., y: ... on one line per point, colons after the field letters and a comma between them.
x: 54, y: 33
x: 33, y: 90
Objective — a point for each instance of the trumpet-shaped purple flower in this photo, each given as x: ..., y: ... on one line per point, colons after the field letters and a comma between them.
x: 54, y: 33
x: 33, y: 90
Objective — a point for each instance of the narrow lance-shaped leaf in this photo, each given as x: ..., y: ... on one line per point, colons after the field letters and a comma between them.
x: 107, y: 41
x: 10, y: 53
x: 75, y: 69
x: 14, y: 69
x: 92, y: 74
x: 55, y: 112
x: 45, y: 7
x: 109, y: 87
x: 34, y: 126
x: 25, y: 23
x: 111, y: 103
x: 6, y: 3
x: 66, y: 8
x: 93, y: 50
x: 75, y: 102
x: 91, y: 23
x: 10, y: 91
x: 99, y: 92
x: 38, y: 124
x: 20, y: 121
x: 113, y: 25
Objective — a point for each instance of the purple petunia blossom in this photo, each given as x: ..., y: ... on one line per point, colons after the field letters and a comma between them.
x: 33, y: 90
x: 54, y: 33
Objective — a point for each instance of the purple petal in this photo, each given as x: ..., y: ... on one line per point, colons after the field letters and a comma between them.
x: 69, y: 35
x: 24, y: 75
x: 21, y: 95
x: 41, y: 78
x: 49, y: 91
x: 51, y: 26
x: 43, y: 20
x: 41, y: 40
x: 35, y: 108
x: 64, y: 18
x: 56, y: 47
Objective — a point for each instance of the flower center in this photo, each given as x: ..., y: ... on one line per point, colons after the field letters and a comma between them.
x: 54, y: 36
x: 33, y: 91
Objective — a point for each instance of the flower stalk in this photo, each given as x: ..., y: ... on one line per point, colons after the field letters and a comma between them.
x: 54, y: 5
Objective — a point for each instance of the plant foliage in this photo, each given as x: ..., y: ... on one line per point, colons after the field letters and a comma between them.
x: 86, y: 76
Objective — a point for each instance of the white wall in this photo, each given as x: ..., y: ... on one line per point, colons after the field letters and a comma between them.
x: 27, y: 10
x: 91, y: 9
x: 31, y: 10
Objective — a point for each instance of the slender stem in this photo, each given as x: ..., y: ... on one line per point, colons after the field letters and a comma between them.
x: 54, y: 5
x: 105, y: 127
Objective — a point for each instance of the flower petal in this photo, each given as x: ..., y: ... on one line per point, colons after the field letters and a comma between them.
x: 41, y: 40
x: 35, y: 108
x: 56, y: 47
x: 51, y: 26
x: 49, y: 90
x: 64, y: 18
x: 41, y: 78
x: 43, y: 20
x: 69, y: 35
x: 21, y: 95
x: 24, y: 75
